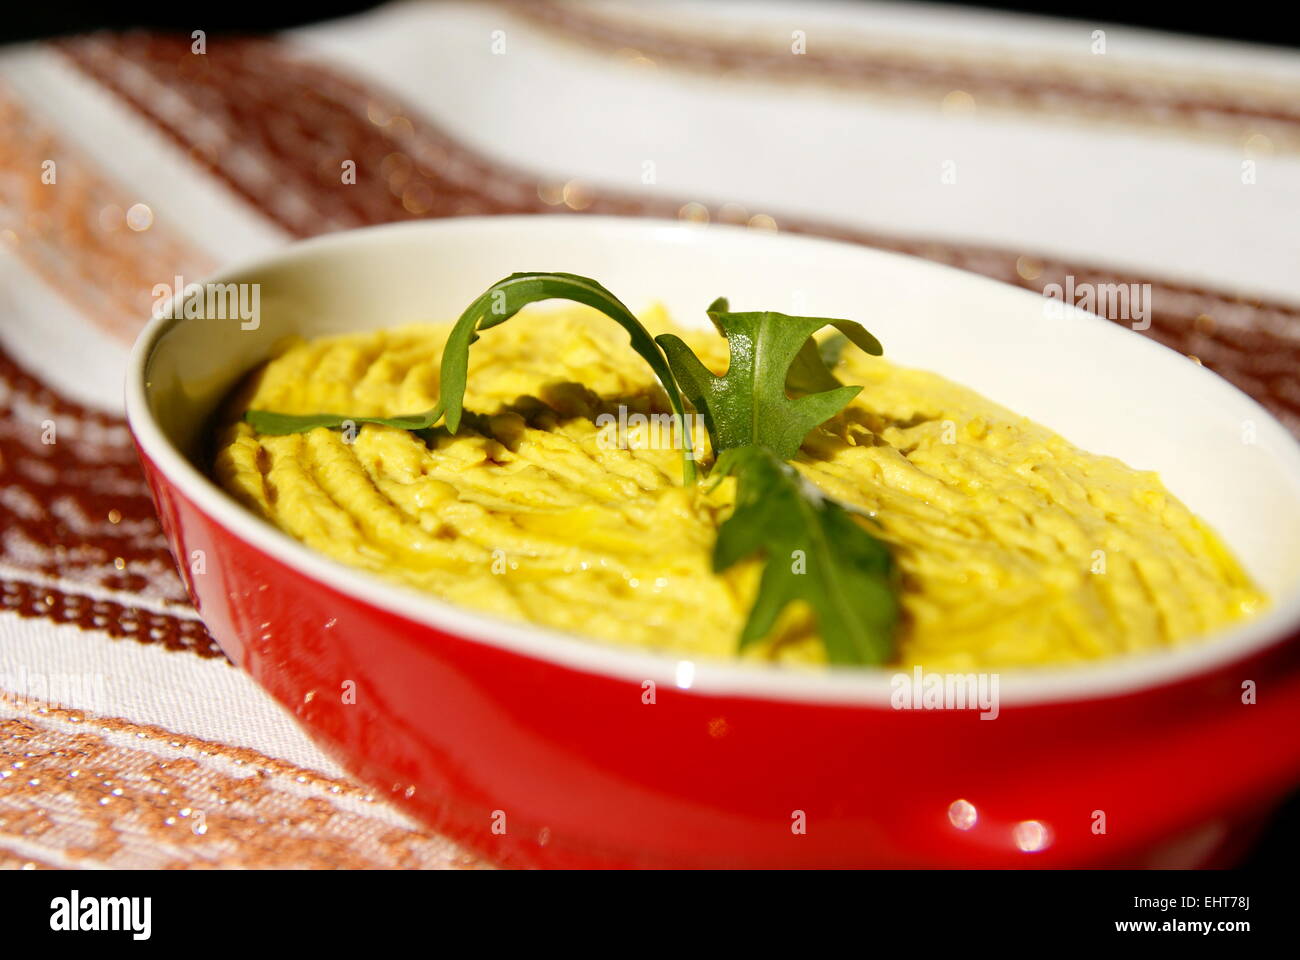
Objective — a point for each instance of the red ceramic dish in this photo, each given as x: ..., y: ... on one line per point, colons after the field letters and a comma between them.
x: 537, y: 749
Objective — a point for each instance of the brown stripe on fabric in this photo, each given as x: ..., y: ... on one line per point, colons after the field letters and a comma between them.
x: 119, y: 620
x: 1203, y: 102
x: 76, y: 512
x: 75, y: 506
x: 107, y: 792
x: 93, y: 242
x: 266, y: 120
x: 278, y: 128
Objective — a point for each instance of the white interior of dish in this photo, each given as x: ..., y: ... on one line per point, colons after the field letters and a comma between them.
x: 1103, y: 387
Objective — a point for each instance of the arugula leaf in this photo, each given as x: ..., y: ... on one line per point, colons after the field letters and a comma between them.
x: 497, y: 304
x: 772, y: 354
x: 507, y: 297
x: 266, y: 422
x: 815, y: 551
x: 811, y: 370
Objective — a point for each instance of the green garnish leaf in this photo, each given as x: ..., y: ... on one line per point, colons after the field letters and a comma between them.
x: 815, y: 550
x: 505, y: 298
x: 497, y: 304
x: 772, y: 355
x: 266, y: 422
x: 811, y: 370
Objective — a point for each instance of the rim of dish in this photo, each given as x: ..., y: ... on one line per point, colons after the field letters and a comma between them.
x: 871, y: 686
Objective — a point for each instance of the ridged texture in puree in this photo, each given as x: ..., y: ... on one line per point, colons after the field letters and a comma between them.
x: 1015, y: 547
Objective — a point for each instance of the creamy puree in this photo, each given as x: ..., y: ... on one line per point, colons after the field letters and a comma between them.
x: 1015, y: 547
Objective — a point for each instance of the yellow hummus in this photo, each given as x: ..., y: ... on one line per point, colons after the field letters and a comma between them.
x: 1015, y: 547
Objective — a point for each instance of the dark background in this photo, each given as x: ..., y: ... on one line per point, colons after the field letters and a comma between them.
x: 1273, y: 24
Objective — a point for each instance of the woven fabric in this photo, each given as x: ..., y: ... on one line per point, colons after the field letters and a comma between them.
x: 1034, y: 152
